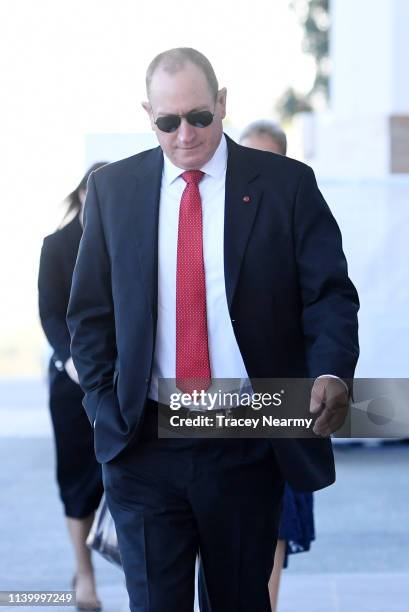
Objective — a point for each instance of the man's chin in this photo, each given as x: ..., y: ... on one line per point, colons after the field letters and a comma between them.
x: 190, y: 159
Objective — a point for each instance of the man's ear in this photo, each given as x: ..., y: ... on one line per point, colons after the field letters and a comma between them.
x: 147, y: 107
x: 221, y: 100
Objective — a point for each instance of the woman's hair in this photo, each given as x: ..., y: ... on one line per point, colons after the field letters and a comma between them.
x: 73, y: 199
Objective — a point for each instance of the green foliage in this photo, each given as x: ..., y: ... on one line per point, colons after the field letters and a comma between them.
x: 291, y: 103
x: 315, y: 19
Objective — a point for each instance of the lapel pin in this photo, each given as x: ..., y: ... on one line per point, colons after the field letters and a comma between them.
x: 246, y: 199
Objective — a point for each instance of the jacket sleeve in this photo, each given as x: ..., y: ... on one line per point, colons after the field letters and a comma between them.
x: 52, y: 300
x: 329, y: 299
x: 90, y: 315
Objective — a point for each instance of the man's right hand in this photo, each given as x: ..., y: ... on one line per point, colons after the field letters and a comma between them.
x: 71, y: 371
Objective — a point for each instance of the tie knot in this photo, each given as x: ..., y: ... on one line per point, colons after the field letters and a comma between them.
x: 192, y: 176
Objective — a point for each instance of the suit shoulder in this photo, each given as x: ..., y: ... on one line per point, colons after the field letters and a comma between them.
x: 66, y: 232
x: 272, y: 162
x: 126, y: 166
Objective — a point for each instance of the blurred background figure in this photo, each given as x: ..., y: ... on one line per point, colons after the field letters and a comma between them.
x: 296, y: 530
x: 265, y: 135
x: 78, y: 472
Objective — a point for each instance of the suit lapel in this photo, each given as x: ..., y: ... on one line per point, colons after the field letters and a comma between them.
x: 146, y: 208
x: 241, y: 204
x: 242, y: 199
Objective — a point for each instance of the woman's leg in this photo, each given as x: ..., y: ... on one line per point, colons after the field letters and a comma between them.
x: 85, y: 589
x: 274, y: 582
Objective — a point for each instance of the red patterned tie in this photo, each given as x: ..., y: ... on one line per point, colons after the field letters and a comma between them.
x: 192, y: 349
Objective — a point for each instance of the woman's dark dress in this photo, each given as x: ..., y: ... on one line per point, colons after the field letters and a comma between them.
x: 297, y: 522
x: 78, y: 472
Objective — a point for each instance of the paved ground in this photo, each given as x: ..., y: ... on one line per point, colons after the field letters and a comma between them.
x: 359, y: 562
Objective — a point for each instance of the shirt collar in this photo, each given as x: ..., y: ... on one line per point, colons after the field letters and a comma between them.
x: 215, y: 167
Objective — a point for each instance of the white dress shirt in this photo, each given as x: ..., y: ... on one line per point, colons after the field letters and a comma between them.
x: 225, y: 357
x: 226, y: 361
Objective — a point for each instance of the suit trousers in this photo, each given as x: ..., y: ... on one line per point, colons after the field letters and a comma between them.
x: 175, y: 499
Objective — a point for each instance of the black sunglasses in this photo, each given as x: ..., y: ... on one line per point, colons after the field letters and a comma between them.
x: 170, y: 123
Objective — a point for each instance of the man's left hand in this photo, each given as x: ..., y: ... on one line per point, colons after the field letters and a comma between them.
x: 329, y: 399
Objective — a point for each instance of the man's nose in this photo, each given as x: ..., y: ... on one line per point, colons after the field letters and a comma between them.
x: 186, y: 132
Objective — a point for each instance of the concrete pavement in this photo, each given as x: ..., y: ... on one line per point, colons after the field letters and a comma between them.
x: 359, y: 562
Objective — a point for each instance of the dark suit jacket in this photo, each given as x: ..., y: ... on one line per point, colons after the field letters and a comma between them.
x: 293, y: 308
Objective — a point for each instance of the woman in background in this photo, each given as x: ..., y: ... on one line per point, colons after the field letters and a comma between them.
x: 78, y: 472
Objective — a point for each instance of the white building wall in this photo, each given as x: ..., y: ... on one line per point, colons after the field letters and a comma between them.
x: 400, y: 64
x: 362, y: 56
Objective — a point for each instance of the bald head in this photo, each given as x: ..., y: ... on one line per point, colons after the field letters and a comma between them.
x: 175, y: 60
x: 181, y: 84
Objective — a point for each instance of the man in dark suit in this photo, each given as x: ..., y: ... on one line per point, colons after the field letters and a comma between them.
x: 202, y: 259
